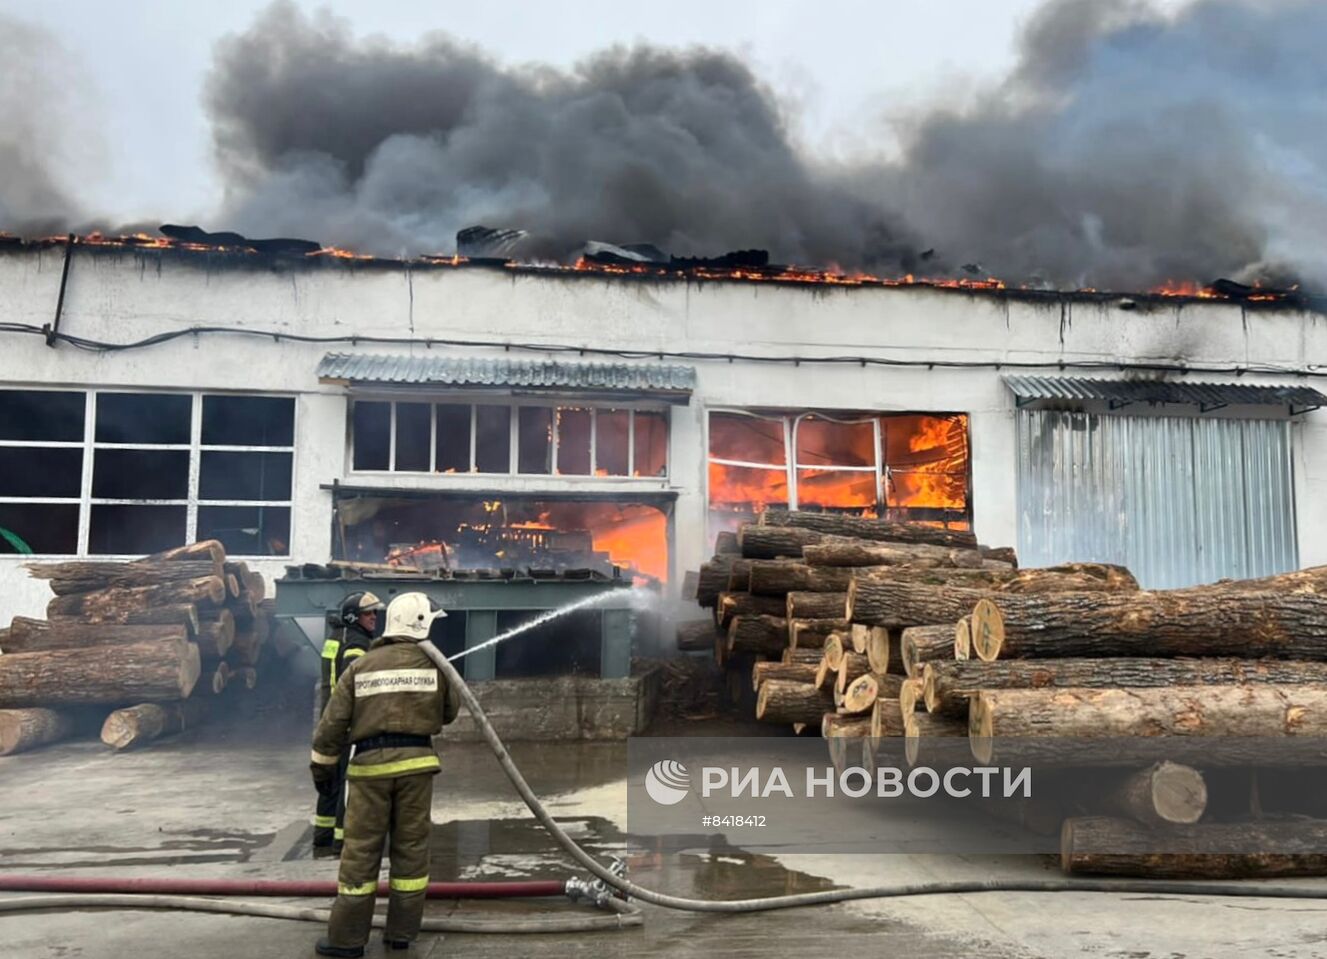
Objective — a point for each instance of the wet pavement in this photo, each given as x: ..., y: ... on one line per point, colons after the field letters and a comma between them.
x: 233, y: 800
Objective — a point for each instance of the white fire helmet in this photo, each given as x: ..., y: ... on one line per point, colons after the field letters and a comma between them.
x: 410, y: 615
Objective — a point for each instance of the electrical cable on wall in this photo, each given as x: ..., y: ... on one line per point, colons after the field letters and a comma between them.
x: 356, y: 339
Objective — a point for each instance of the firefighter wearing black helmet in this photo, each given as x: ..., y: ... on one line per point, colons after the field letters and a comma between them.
x: 349, y: 637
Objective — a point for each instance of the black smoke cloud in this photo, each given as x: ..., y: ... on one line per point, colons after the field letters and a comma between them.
x: 394, y: 149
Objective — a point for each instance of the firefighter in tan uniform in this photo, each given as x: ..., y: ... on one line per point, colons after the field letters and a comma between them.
x: 387, y: 705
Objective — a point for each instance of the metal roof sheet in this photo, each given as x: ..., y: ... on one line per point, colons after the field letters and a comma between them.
x: 478, y: 372
x: 1207, y: 396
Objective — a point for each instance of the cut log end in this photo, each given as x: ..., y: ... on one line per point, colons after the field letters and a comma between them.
x: 987, y: 628
x: 963, y: 638
x: 980, y: 728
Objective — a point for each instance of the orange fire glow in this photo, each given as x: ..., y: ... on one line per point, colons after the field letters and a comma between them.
x: 923, y: 463
x: 774, y: 274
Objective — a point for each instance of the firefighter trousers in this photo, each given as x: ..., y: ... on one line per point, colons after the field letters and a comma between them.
x: 376, y: 809
x: 329, y: 815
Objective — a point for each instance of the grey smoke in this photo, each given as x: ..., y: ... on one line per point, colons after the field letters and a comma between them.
x: 36, y: 132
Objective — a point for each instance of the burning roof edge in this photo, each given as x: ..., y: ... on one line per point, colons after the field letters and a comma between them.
x: 674, y: 381
x: 235, y: 257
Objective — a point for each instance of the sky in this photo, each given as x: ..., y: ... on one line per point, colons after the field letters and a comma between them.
x: 848, y: 71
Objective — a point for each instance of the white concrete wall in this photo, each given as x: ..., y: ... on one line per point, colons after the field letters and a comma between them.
x: 126, y: 296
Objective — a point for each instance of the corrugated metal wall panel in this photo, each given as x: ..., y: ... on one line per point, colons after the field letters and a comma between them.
x: 1179, y: 501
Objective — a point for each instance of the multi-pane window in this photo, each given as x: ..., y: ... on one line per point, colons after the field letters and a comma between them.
x: 905, y: 465
x: 571, y: 439
x: 110, y: 473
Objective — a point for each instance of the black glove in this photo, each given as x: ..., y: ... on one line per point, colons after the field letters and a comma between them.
x: 324, y: 778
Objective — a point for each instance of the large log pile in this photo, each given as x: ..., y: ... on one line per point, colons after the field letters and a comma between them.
x: 924, y: 637
x: 146, y: 645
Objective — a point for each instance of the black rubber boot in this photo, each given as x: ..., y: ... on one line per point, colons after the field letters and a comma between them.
x: 325, y: 948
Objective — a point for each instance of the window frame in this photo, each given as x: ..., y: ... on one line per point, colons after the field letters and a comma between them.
x: 513, y: 471
x: 195, y: 448
x: 792, y: 419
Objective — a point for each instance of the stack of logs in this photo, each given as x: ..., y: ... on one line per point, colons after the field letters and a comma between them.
x: 871, y: 631
x: 156, y: 639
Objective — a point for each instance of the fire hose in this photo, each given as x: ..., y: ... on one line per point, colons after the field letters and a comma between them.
x: 606, y: 878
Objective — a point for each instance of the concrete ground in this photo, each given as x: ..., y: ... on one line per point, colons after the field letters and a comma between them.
x: 233, y: 800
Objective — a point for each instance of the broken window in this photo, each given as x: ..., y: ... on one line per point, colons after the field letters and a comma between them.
x: 911, y: 467
x: 535, y: 441
x: 452, y: 441
x: 926, y: 463
x: 477, y: 531
x: 574, y: 430
x: 836, y: 462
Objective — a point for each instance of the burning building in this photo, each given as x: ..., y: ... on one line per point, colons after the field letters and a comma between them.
x: 480, y: 414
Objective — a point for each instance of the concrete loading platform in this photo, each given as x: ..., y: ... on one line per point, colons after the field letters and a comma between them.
x: 233, y: 800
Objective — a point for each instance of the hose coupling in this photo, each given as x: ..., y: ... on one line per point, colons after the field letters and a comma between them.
x: 596, y: 891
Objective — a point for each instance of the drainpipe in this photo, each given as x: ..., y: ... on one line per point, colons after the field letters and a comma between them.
x: 52, y: 329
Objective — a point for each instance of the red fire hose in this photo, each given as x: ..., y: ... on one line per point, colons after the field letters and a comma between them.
x: 265, y: 887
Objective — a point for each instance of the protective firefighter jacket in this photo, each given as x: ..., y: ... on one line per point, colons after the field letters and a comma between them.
x: 393, y: 689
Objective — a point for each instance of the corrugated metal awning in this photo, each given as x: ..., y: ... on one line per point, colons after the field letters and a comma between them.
x: 1206, y: 396
x: 673, y: 382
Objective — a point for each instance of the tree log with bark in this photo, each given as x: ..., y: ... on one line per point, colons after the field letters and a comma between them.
x: 776, y: 578
x: 918, y: 728
x: 137, y: 672
x: 835, y: 551
x: 812, y: 633
x: 744, y: 604
x: 139, y: 725
x: 24, y: 729
x: 93, y: 576
x: 788, y: 672
x: 713, y: 580
x: 767, y: 635
x: 1214, y: 725
x: 919, y: 645
x: 863, y: 528
x: 112, y: 605
x: 772, y: 542
x: 816, y: 606
x: 950, y: 684
x: 787, y: 702
x: 1199, y: 621
x: 696, y: 636
x: 1159, y: 795
x: 1105, y: 846
x: 37, y: 635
